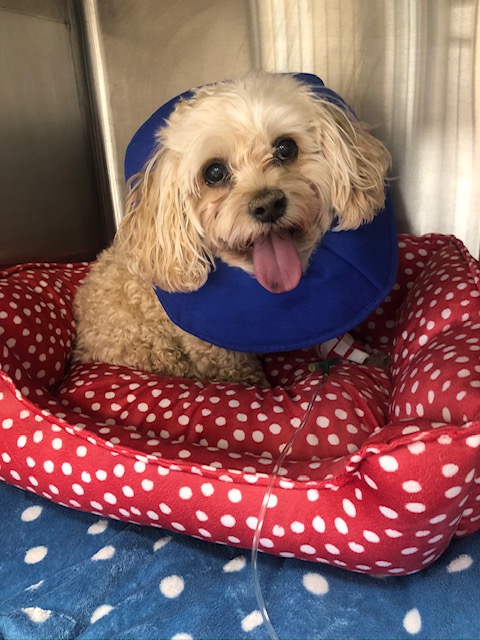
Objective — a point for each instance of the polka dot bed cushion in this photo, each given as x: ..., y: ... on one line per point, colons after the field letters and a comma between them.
x: 384, y: 473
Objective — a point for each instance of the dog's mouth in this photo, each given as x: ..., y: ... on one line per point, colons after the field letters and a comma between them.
x: 277, y: 264
x: 274, y: 258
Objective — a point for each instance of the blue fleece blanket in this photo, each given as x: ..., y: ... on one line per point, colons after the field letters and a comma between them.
x: 65, y: 574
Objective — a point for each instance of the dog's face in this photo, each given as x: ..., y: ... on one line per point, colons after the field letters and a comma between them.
x: 252, y: 172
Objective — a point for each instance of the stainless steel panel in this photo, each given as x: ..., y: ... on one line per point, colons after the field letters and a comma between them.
x: 49, y: 9
x: 410, y: 67
x: 49, y: 208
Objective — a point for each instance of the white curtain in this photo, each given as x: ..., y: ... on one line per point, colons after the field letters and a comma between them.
x: 410, y: 67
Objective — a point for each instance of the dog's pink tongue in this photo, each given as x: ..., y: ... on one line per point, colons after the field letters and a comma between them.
x: 277, y: 263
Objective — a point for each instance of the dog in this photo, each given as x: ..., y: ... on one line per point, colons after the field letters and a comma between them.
x: 252, y: 172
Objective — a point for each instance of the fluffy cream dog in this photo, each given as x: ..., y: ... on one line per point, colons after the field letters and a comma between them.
x: 252, y: 172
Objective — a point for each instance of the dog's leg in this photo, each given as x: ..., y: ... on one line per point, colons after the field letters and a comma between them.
x: 222, y: 365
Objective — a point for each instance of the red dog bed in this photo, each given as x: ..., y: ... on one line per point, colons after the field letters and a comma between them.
x: 384, y: 474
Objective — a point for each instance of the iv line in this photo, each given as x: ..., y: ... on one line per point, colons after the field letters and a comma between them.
x: 265, y: 501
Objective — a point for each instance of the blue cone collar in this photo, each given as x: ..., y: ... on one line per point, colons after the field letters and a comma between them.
x: 349, y: 275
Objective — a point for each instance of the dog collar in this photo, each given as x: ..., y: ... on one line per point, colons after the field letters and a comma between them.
x: 349, y: 275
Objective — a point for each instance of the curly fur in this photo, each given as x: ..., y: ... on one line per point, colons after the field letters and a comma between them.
x: 176, y: 225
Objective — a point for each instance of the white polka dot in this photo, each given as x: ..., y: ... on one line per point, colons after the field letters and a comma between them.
x: 252, y: 621
x: 388, y: 463
x: 37, y: 614
x: 162, y: 542
x: 312, y: 440
x: 356, y: 548
x: 416, y: 448
x: 235, y: 495
x: 272, y: 501
x: 318, y: 524
x: 110, y: 498
x: 341, y: 526
x: 35, y: 554
x: 207, y: 489
x: 140, y: 466
x: 57, y: 444
x: 412, y: 486
x: 473, y: 441
x: 258, y: 436
x: 67, y: 469
x: 388, y: 513
x: 312, y: 495
x: 172, y: 586
x: 100, y: 612
x: 98, y: 527
x: 409, y: 551
x: 252, y: 522
x: 370, y: 536
x: 182, y: 636
x: 446, y: 415
x: 147, y: 485
x: 437, y: 519
x: 332, y: 549
x: 415, y: 507
x: 185, y: 493
x: 470, y: 476
x: 31, y: 513
x: 371, y: 483
x: 315, y: 583
x: 349, y: 508
x: 128, y: 492
x: 49, y: 466
x: 228, y: 521
x: 412, y: 622
x: 462, y: 563
x: 267, y: 543
x: 299, y: 527
x: 119, y: 470
x: 453, y: 492
x: 449, y: 470
x: 237, y: 564
x: 308, y: 549
x: 105, y: 553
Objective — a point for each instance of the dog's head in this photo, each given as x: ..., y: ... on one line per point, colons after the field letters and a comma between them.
x: 253, y: 172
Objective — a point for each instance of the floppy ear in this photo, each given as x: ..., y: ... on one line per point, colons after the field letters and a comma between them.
x: 159, y: 233
x: 358, y: 162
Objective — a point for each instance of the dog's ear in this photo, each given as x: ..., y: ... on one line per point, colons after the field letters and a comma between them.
x: 358, y: 163
x: 159, y: 233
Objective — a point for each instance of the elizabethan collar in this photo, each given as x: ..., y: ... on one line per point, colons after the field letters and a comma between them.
x: 348, y: 276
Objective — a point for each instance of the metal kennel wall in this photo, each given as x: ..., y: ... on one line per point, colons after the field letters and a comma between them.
x: 78, y: 78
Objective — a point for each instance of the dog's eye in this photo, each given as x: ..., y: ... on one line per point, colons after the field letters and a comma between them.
x: 215, y: 173
x: 285, y: 149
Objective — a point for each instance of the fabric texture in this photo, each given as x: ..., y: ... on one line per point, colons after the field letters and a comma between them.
x: 67, y: 574
x: 384, y: 474
x: 349, y: 275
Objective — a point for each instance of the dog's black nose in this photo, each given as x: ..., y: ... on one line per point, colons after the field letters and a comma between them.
x: 268, y: 205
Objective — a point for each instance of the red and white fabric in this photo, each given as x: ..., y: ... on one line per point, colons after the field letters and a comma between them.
x: 384, y: 474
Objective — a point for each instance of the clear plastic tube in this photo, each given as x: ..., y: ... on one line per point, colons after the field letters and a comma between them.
x: 263, y: 510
